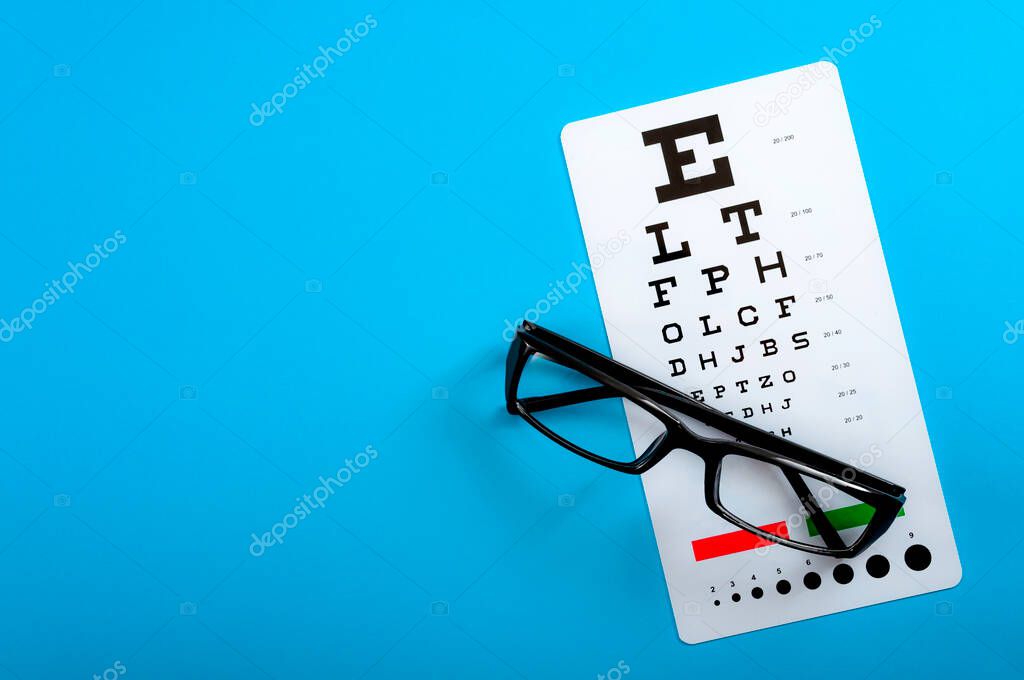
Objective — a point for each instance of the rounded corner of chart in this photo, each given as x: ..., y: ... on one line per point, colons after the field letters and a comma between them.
x: 956, y: 574
x: 830, y: 67
x: 566, y: 133
x: 689, y: 638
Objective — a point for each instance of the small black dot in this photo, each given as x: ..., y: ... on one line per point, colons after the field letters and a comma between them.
x: 783, y: 587
x: 843, y: 573
x: 917, y: 557
x: 717, y: 603
x: 735, y: 597
x: 878, y: 566
x: 812, y: 580
x: 757, y: 593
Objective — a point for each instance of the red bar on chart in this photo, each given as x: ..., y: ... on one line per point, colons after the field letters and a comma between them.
x: 736, y: 541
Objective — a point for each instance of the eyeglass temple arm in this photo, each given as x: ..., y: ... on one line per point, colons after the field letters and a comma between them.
x: 602, y: 392
x: 821, y: 521
x: 533, y: 404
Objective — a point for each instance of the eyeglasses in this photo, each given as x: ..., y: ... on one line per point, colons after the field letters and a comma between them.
x: 763, y: 483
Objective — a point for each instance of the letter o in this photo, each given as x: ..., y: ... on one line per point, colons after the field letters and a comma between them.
x: 678, y: 333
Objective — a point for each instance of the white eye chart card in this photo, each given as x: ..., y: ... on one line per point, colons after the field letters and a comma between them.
x: 753, y: 280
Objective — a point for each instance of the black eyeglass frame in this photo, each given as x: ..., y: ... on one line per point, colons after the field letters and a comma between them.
x: 660, y: 400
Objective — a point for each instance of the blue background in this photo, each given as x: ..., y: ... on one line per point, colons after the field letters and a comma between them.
x: 191, y: 388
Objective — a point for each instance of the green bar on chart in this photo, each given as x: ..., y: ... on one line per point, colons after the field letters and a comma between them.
x: 847, y: 518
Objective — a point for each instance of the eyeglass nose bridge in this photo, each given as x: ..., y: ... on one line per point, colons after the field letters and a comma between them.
x: 655, y: 451
x: 676, y: 435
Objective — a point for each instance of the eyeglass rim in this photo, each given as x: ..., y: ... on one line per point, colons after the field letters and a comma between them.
x: 884, y: 496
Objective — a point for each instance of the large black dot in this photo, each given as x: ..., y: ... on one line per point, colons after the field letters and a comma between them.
x: 812, y: 580
x: 757, y: 593
x: 783, y: 587
x: 917, y: 557
x: 735, y: 597
x: 843, y: 573
x: 878, y: 566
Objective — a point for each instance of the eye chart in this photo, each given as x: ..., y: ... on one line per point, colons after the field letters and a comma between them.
x: 754, y: 281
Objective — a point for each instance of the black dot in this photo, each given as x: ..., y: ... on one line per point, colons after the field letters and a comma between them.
x: 735, y: 597
x: 917, y: 557
x: 783, y: 587
x: 717, y: 603
x: 812, y: 580
x: 757, y: 593
x: 878, y: 566
x: 843, y: 573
